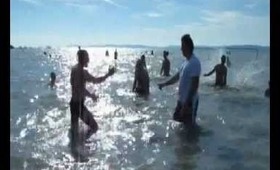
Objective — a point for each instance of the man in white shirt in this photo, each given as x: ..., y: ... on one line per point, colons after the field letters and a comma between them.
x: 188, y: 78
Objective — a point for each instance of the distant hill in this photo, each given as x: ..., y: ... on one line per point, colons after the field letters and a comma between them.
x: 12, y: 47
x: 117, y: 46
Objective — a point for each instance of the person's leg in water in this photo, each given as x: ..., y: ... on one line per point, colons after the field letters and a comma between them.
x: 74, y: 109
x: 195, y: 107
x: 87, y: 117
x: 77, y: 110
x: 176, y: 114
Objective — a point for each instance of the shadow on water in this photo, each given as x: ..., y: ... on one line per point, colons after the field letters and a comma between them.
x: 187, y: 147
x: 17, y: 163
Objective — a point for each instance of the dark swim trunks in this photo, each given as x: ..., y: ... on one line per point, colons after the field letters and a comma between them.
x: 78, y: 110
x: 187, y: 118
x: 141, y: 91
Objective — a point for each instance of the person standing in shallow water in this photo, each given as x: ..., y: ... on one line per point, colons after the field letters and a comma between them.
x: 165, y: 68
x: 78, y: 78
x: 116, y: 54
x: 141, y: 84
x: 188, y: 77
x: 267, y: 91
x: 107, y: 53
x: 53, y: 78
x: 221, y: 73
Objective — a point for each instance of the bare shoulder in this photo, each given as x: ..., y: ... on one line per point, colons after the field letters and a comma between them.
x: 74, y: 68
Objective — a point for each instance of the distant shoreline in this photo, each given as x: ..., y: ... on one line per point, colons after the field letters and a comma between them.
x: 145, y: 46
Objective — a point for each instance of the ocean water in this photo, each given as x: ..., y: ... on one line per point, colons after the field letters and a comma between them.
x: 137, y: 133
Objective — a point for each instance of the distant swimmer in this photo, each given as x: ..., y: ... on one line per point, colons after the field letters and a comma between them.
x: 152, y: 52
x: 143, y: 60
x: 165, y: 68
x: 228, y: 62
x: 79, y: 77
x: 116, y: 54
x: 221, y: 73
x: 45, y: 53
x: 52, y: 81
x: 267, y: 91
x: 141, y: 84
x: 79, y: 47
x: 188, y: 77
x: 107, y: 53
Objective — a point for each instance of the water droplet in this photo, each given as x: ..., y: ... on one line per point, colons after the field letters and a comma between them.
x: 18, y: 121
x: 24, y: 164
x: 22, y: 133
x: 167, y: 135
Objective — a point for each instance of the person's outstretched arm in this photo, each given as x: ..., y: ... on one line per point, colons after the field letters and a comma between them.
x: 97, y: 80
x: 161, y: 70
x: 134, y: 85
x: 91, y: 95
x: 211, y: 72
x: 173, y: 80
x: 135, y: 79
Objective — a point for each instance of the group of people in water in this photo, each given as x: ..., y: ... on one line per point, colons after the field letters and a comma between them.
x: 115, y: 54
x: 188, y: 97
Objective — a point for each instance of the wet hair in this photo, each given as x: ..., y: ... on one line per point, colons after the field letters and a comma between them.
x: 165, y: 53
x: 187, y: 40
x: 143, y: 56
x: 52, y: 75
x: 81, y: 55
x: 139, y: 64
x: 223, y: 58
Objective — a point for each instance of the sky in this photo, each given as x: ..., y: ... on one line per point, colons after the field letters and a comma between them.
x: 144, y: 22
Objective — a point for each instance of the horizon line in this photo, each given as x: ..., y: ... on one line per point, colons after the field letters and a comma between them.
x: 135, y: 45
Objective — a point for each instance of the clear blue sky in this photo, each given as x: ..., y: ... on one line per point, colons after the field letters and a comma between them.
x: 146, y: 22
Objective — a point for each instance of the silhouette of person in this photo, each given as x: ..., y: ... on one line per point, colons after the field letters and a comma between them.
x: 267, y: 91
x: 221, y: 73
x: 141, y: 82
x: 165, y: 68
x: 53, y: 78
x: 79, y: 77
x: 116, y: 54
x: 188, y: 77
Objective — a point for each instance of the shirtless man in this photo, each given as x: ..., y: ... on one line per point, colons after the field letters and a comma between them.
x: 79, y: 77
x: 165, y: 68
x: 53, y: 78
x: 221, y: 73
x: 116, y: 54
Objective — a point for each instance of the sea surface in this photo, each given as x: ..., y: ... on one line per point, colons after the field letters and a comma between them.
x: 138, y: 133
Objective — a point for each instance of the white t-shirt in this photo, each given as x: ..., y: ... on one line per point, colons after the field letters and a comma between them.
x: 189, y: 69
